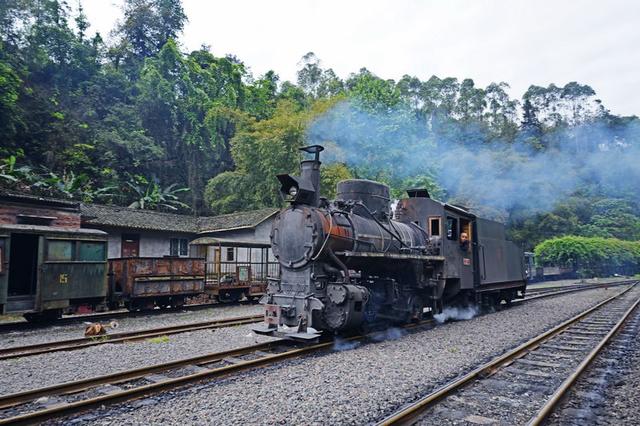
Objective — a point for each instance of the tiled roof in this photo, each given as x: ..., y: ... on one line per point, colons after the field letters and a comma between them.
x: 124, y: 217
x: 37, y: 199
x: 234, y: 220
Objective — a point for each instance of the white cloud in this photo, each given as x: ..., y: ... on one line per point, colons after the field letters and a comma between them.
x: 522, y: 43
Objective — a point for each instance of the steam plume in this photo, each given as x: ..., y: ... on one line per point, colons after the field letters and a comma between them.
x: 468, y: 166
x: 459, y: 314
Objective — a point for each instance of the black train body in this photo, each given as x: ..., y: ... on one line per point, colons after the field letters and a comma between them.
x: 346, y: 263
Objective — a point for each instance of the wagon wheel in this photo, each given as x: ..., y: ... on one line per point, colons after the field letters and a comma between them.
x: 226, y: 296
x: 44, y: 316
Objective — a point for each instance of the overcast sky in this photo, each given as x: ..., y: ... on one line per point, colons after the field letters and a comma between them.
x: 522, y: 43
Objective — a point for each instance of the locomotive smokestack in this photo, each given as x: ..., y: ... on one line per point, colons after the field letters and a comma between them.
x: 310, y: 170
x: 304, y: 189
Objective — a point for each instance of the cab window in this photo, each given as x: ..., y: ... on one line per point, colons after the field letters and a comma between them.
x: 452, y: 228
x: 434, y: 226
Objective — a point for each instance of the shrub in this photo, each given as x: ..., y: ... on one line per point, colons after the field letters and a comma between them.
x: 590, y: 256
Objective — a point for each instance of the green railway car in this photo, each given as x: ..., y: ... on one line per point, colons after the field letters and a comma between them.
x: 46, y: 271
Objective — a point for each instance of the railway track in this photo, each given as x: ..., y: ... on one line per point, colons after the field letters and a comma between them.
x: 84, y: 342
x: 65, y: 399
x: 6, y: 327
x: 81, y: 343
x: 68, y: 398
x: 560, y: 290
x: 531, y: 290
x: 524, y: 385
x: 55, y: 401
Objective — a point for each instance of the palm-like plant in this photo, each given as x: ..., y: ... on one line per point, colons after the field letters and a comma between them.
x: 153, y: 197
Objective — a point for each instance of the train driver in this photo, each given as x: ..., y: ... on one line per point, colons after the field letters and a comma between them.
x: 464, y: 241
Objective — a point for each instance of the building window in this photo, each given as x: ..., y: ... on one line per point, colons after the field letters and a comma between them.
x: 178, y: 247
x: 26, y: 219
x: 230, y: 254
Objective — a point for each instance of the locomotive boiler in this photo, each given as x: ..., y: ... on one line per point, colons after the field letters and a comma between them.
x: 352, y: 262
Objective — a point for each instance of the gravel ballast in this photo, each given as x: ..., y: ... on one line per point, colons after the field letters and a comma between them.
x: 139, y: 322
x: 608, y: 392
x: 355, y: 386
x: 20, y: 374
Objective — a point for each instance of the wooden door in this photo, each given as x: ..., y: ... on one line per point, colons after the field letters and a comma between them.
x: 216, y: 259
x: 130, y: 245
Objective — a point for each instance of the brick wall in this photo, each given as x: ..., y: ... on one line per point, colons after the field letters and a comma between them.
x: 64, y: 219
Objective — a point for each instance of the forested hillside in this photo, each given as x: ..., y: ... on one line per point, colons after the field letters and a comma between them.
x: 137, y: 120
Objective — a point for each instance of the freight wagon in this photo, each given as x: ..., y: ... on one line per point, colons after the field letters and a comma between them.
x: 45, y: 270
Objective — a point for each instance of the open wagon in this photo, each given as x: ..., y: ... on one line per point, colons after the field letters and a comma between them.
x: 146, y: 282
x: 236, y: 269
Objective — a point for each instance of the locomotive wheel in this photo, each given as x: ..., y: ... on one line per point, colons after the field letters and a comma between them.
x: 415, y: 309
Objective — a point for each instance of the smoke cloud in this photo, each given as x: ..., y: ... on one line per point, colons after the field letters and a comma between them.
x: 462, y: 159
x: 391, y: 333
x: 458, y: 314
x: 340, y: 344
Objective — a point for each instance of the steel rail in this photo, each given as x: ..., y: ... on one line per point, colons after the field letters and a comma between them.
x: 541, y: 290
x: 145, y: 390
x: 80, y: 343
x: 412, y: 411
x: 542, y: 295
x: 10, y: 400
x: 84, y: 342
x: 6, y: 327
x: 562, y: 390
x: 19, y: 398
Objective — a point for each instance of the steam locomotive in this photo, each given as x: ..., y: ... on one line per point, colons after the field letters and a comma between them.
x: 352, y: 262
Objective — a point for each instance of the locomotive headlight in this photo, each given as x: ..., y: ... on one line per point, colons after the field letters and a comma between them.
x: 293, y: 191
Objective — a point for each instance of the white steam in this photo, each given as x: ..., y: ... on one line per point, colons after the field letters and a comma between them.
x: 458, y: 314
x: 466, y: 163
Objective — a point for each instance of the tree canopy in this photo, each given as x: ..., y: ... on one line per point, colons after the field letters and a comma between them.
x: 138, y: 121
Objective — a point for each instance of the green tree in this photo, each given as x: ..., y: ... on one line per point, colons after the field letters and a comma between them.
x: 262, y: 149
x: 147, y: 26
x: 330, y: 175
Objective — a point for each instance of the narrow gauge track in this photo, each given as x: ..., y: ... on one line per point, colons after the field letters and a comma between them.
x: 81, y: 343
x: 29, y: 407
x: 6, y: 327
x: 525, y: 384
x: 55, y: 401
x: 542, y: 290
x: 106, y: 316
x: 84, y: 342
x: 558, y: 291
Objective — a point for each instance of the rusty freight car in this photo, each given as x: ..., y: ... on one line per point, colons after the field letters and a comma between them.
x: 147, y: 282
